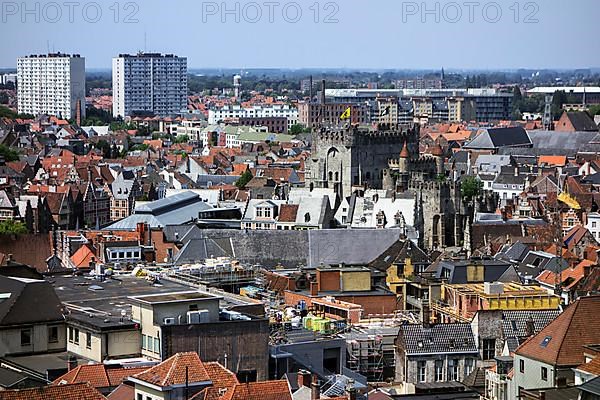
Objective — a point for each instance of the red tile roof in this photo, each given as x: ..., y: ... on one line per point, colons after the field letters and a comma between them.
x: 561, y: 342
x: 288, y: 212
x: 269, y: 390
x: 82, y: 257
x: 593, y: 367
x: 77, y: 391
x: 123, y: 392
x: 98, y: 375
x: 172, y: 371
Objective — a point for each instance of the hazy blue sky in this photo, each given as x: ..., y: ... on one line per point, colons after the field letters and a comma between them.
x: 367, y: 34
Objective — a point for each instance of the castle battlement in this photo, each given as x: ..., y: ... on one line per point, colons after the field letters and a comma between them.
x: 351, y: 135
x: 432, y: 186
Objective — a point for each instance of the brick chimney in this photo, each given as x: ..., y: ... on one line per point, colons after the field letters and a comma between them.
x: 303, y: 378
x: 315, y: 389
x: 314, y: 289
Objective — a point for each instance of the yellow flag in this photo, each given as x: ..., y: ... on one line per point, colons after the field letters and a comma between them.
x: 346, y: 114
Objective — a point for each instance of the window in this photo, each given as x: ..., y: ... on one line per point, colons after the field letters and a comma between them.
x: 439, y: 370
x: 488, y: 349
x: 76, y: 336
x: 521, y: 366
x: 594, y: 224
x: 88, y: 340
x: 156, y: 345
x: 140, y: 396
x: 452, y: 369
x: 421, y: 369
x: 544, y: 373
x: 53, y: 334
x: 70, y: 335
x: 25, y: 337
x: 150, y: 344
x: 144, y: 342
x: 468, y: 366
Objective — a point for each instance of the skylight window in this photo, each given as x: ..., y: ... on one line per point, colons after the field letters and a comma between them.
x: 546, y: 340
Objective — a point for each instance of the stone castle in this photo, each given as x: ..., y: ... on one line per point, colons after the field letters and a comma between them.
x: 350, y: 159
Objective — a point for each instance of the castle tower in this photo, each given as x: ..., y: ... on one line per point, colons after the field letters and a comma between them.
x: 438, y: 154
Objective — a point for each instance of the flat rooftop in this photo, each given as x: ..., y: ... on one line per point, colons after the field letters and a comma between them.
x: 175, y: 297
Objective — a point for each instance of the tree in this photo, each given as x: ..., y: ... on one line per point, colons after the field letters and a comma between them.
x: 29, y: 217
x: 594, y: 110
x: 296, y: 129
x: 8, y: 153
x: 244, y: 179
x: 152, y: 195
x: 11, y: 227
x: 470, y: 187
x: 182, y: 139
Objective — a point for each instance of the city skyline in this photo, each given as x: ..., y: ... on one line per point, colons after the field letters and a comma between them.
x: 405, y: 35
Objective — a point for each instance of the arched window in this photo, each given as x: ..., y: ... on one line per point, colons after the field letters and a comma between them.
x: 337, y: 176
x: 330, y: 175
x: 307, y: 217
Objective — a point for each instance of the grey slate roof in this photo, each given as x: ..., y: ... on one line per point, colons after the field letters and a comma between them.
x: 178, y: 209
x: 495, y: 138
x: 559, y: 143
x: 441, y: 338
x: 494, y: 270
x: 515, y: 252
x: 592, y: 386
x: 514, y: 323
x: 197, y: 250
x: 30, y: 301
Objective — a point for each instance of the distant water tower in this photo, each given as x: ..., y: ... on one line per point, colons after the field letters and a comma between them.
x: 237, y: 85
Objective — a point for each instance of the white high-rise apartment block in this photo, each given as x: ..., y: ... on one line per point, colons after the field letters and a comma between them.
x: 149, y: 83
x: 51, y: 84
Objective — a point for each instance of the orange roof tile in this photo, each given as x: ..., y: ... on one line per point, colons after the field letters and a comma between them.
x: 559, y: 161
x: 77, y: 391
x: 561, y: 342
x: 82, y: 257
x: 592, y: 367
x: 269, y: 390
x: 97, y: 375
x: 172, y: 371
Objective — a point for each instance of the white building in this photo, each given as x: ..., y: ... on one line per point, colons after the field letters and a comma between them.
x: 593, y: 224
x: 51, y: 84
x: 149, y: 82
x: 225, y: 113
x: 8, y: 78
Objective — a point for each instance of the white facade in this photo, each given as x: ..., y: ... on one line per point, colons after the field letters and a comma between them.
x: 7, y: 78
x: 149, y: 82
x: 593, y: 225
x: 51, y: 84
x: 259, y: 111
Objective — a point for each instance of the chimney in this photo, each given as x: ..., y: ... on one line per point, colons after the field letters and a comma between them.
x: 314, y: 291
x: 323, y: 92
x: 529, y: 326
x: 425, y: 316
x: 315, y: 390
x: 71, y: 362
x: 310, y: 91
x: 303, y: 378
x: 351, y: 390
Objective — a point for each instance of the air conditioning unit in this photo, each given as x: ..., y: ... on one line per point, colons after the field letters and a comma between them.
x: 169, y: 321
x: 193, y: 317
x: 204, y: 316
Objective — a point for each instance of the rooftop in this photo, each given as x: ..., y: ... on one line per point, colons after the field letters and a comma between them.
x: 174, y: 297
